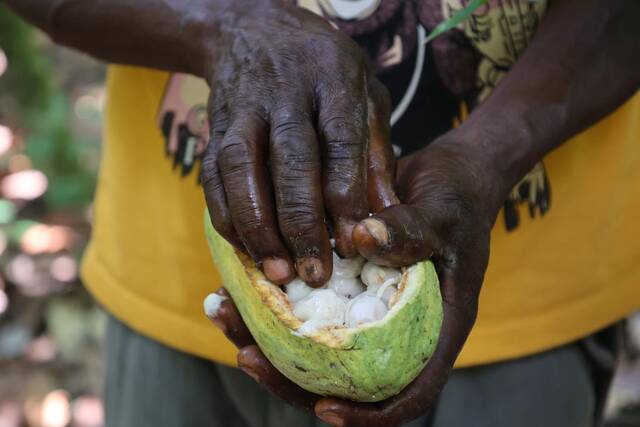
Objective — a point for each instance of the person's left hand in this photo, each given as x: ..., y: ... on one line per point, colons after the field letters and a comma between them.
x: 451, y: 195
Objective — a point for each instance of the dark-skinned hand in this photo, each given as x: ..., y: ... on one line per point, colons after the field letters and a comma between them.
x: 290, y: 103
x: 285, y: 77
x: 450, y: 202
x: 290, y: 107
x: 451, y: 191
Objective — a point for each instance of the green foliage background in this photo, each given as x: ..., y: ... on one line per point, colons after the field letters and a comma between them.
x: 43, y: 111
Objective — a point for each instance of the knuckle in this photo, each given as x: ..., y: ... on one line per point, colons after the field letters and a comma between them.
x: 345, y: 195
x: 210, y: 182
x: 299, y: 224
x: 290, y: 129
x: 294, y: 148
x: 210, y: 177
x: 344, y: 131
x: 298, y: 207
x: 235, y: 155
x: 248, y: 218
x: 344, y: 160
x: 290, y: 120
x: 294, y: 166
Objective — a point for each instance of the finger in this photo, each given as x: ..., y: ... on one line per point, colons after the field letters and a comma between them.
x: 381, y: 165
x: 295, y: 169
x: 211, y: 179
x: 342, y: 121
x: 242, y: 164
x: 420, y: 395
x: 255, y: 364
x: 398, y: 236
x: 225, y: 315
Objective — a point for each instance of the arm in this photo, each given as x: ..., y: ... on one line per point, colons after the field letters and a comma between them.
x: 289, y: 115
x: 584, y: 62
x: 169, y: 35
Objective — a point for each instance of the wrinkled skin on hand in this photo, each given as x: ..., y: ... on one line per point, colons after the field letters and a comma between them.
x: 291, y: 106
x: 449, y: 203
x: 451, y: 190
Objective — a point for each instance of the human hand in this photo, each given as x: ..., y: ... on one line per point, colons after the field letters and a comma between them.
x: 291, y: 106
x: 450, y: 202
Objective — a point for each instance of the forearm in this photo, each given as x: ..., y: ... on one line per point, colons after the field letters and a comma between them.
x: 583, y: 63
x: 174, y: 35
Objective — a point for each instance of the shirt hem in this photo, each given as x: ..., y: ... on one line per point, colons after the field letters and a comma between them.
x: 152, y: 321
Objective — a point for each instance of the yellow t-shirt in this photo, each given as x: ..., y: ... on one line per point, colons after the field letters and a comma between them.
x: 552, y: 279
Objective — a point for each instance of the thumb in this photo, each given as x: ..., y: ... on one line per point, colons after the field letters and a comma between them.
x: 397, y: 236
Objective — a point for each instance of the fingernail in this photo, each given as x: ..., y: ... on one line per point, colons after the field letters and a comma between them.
x: 277, y: 270
x: 378, y: 230
x: 367, y: 245
x: 331, y: 418
x: 310, y: 269
x: 253, y: 374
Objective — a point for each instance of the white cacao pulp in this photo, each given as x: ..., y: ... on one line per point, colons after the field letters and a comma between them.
x: 365, y: 308
x: 346, y: 287
x: 345, y: 301
x: 212, y: 304
x: 346, y: 267
x: 297, y: 289
x: 322, y: 307
x: 375, y: 276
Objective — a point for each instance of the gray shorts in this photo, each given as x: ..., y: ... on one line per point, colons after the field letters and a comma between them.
x: 151, y: 385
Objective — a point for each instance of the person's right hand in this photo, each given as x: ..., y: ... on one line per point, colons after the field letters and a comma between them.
x: 292, y: 108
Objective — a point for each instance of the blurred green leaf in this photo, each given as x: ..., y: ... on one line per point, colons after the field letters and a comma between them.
x: 54, y: 150
x: 455, y: 20
x: 27, y: 77
x: 7, y: 211
x: 44, y: 112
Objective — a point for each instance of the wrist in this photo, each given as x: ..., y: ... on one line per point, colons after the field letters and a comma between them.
x: 203, y: 34
x: 509, y: 138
